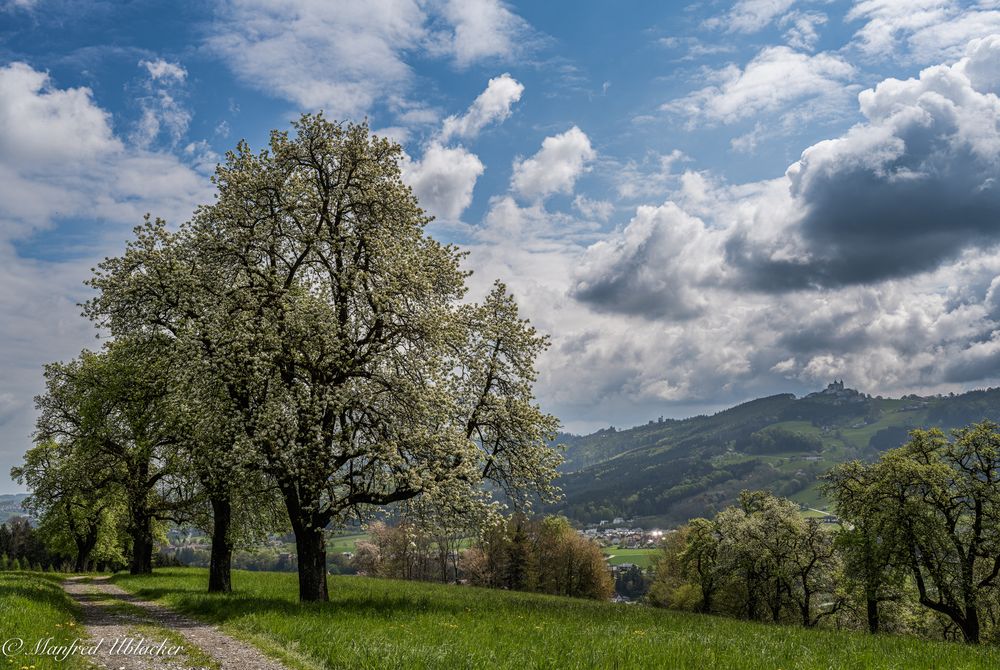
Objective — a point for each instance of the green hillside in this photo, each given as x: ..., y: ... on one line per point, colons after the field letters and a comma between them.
x: 385, y: 624
x: 666, y: 472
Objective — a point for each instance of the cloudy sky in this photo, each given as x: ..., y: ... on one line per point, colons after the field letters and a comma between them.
x: 701, y: 202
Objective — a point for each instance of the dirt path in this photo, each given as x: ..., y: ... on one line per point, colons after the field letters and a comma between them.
x: 133, y: 632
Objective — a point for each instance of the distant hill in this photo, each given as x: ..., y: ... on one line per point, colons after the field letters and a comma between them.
x: 10, y: 506
x: 668, y: 471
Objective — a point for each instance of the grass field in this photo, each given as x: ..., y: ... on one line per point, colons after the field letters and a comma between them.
x: 644, y: 558
x: 34, y: 607
x: 378, y: 624
x: 344, y: 542
x: 339, y: 543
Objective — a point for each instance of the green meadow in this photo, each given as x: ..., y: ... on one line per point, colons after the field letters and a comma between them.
x: 644, y: 558
x: 34, y: 607
x: 379, y: 624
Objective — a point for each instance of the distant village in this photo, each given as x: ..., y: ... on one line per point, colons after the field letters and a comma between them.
x: 617, y: 533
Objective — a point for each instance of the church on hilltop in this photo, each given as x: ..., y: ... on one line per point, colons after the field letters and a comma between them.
x: 838, y: 392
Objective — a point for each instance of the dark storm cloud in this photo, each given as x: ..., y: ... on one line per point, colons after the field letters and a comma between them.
x: 901, y: 194
x: 897, y: 196
x: 871, y: 223
x: 824, y: 335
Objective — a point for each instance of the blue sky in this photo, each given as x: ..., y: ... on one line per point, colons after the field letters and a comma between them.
x: 701, y: 202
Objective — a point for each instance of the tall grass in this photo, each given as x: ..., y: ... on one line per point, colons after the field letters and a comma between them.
x: 34, y: 607
x: 377, y: 624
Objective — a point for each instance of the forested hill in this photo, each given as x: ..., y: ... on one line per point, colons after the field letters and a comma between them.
x: 668, y: 471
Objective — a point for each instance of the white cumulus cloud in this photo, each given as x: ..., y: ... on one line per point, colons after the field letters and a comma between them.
x: 556, y: 166
x: 873, y: 259
x: 750, y: 16
x: 493, y: 105
x: 775, y: 78
x: 923, y: 31
x: 61, y: 164
x: 162, y: 69
x: 483, y: 29
x: 342, y: 56
x: 443, y: 179
x: 41, y: 124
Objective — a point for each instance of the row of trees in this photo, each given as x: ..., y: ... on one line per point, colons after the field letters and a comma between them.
x: 758, y: 560
x: 543, y: 555
x: 917, y: 548
x: 301, y: 345
x: 22, y: 547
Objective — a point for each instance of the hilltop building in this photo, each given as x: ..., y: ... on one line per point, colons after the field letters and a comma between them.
x: 839, y: 393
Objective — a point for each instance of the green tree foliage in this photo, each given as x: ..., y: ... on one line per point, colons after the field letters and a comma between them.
x: 542, y: 555
x: 72, y: 496
x: 632, y: 583
x: 244, y: 504
x: 938, y: 500
x: 699, y: 559
x: 23, y: 545
x: 917, y: 549
x: 759, y: 560
x: 779, y: 440
x: 112, y: 410
x: 874, y: 553
x: 674, y: 586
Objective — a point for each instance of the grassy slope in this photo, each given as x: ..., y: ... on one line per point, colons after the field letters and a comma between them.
x: 373, y: 623
x: 641, y: 557
x: 344, y: 542
x: 33, y: 607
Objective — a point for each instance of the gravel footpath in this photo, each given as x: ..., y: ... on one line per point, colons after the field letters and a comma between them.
x: 205, y: 645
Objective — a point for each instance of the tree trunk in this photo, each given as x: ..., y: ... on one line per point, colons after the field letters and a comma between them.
x: 84, y: 547
x: 220, y: 569
x: 873, y: 623
x: 443, y: 560
x: 752, y: 602
x: 775, y: 604
x: 706, y: 599
x: 806, y: 609
x: 311, y: 546
x: 970, y: 625
x: 142, y: 554
x: 142, y: 544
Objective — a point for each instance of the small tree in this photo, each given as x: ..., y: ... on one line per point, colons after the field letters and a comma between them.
x: 941, y: 497
x: 110, y: 408
x: 874, y: 554
x: 672, y: 585
x: 72, y: 495
x: 700, y: 560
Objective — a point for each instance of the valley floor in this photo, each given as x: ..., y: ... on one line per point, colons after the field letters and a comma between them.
x: 373, y: 623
